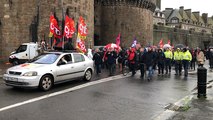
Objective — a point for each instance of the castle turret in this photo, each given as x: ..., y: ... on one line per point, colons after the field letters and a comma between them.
x: 131, y: 18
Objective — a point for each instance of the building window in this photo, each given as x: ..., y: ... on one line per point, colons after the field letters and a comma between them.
x: 174, y: 21
x: 158, y: 14
x: 163, y: 16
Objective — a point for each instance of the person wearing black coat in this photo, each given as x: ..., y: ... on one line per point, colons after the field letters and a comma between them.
x: 210, y: 55
x: 149, y: 61
x: 160, y: 61
x: 121, y: 58
x: 97, y: 58
x: 141, y: 62
x: 111, y: 60
x: 155, y: 54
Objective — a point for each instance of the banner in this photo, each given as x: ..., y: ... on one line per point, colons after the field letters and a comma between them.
x: 54, y: 28
x: 118, y: 39
x: 82, y: 33
x: 69, y: 27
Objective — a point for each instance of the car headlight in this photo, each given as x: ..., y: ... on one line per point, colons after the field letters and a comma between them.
x: 32, y: 73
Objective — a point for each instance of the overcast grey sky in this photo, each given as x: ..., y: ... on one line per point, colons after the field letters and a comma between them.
x: 204, y: 6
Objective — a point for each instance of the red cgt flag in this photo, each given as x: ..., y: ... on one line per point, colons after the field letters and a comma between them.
x: 161, y: 43
x: 169, y: 42
x: 54, y: 28
x: 69, y: 27
x: 82, y: 28
x: 82, y: 33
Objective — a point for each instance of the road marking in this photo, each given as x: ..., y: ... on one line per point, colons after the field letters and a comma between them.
x: 63, y: 91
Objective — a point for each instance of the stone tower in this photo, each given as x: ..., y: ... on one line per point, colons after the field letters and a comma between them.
x: 131, y: 18
x: 28, y: 20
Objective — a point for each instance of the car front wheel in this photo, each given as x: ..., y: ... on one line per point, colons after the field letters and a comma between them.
x: 46, y: 83
x: 88, y: 75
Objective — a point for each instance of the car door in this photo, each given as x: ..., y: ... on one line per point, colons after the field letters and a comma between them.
x: 65, y: 70
x: 79, y: 64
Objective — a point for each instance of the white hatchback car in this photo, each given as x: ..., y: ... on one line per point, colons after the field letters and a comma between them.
x: 49, y: 69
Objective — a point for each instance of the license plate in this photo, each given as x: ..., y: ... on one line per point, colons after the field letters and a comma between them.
x: 12, y: 79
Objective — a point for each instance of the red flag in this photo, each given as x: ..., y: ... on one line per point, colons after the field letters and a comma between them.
x: 169, y: 42
x: 161, y: 43
x: 82, y: 28
x: 118, y: 39
x: 82, y: 33
x: 80, y: 44
x: 51, y: 24
x: 69, y: 28
x: 54, y: 28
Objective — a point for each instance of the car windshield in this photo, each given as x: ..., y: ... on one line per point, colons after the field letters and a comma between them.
x: 21, y: 48
x: 46, y: 59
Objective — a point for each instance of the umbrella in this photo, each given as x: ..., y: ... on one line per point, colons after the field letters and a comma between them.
x: 167, y: 46
x: 179, y: 46
x: 112, y: 45
x: 210, y: 47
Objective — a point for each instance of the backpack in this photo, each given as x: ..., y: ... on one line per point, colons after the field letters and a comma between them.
x: 131, y: 56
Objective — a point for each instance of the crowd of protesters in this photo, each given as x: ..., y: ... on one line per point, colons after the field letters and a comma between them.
x: 151, y: 59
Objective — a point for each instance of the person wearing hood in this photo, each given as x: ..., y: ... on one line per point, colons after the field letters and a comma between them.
x: 186, y: 58
x: 168, y: 56
x: 178, y: 61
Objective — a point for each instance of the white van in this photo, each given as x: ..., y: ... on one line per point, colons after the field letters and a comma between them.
x: 25, y: 52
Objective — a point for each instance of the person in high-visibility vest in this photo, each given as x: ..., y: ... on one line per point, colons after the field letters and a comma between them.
x: 168, y: 59
x: 186, y: 58
x: 178, y: 61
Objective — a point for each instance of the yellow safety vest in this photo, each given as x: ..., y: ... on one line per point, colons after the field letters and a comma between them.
x: 168, y: 54
x: 187, y: 56
x: 178, y: 55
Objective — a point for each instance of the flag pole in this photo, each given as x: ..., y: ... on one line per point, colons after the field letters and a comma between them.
x: 62, y: 2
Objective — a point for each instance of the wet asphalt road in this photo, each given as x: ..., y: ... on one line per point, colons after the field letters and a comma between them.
x: 123, y: 99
